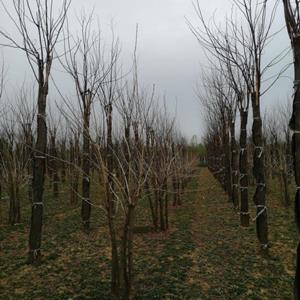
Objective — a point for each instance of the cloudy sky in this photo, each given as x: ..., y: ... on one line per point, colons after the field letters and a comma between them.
x: 168, y: 54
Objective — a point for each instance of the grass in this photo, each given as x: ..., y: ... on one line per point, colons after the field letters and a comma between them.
x: 204, y: 255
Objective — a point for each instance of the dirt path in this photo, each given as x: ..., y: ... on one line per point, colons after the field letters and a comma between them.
x: 226, y: 264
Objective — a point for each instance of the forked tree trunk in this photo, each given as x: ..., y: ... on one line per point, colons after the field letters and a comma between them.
x: 244, y: 184
x: 259, y: 197
x: 39, y: 166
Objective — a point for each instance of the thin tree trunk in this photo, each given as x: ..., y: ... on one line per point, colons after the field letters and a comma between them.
x: 227, y: 164
x: 53, y: 166
x: 127, y: 254
x: 86, y: 201
x: 166, y: 200
x: 161, y: 211
x: 109, y: 159
x: 115, y: 266
x: 234, y: 167
x: 156, y: 209
x: 63, y: 161
x: 286, y: 188
x: 244, y: 184
x: 14, y: 202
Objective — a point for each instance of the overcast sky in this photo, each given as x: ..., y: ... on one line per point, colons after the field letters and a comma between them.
x: 168, y: 54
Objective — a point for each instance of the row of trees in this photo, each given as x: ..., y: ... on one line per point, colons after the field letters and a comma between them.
x: 240, y: 73
x: 116, y: 135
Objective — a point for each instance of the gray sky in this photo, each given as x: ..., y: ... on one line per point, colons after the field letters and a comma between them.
x: 168, y: 54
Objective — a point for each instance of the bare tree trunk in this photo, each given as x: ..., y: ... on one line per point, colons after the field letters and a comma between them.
x: 115, y: 275
x: 109, y: 158
x: 39, y: 165
x: 127, y: 254
x: 295, y: 126
x: 63, y: 160
x: 54, y: 166
x: 156, y: 209
x: 73, y: 196
x: 180, y: 190
x: 86, y: 201
x: 175, y: 178
x: 234, y: 167
x: 244, y: 213
x: 161, y: 211
x: 115, y: 266
x: 175, y: 191
x: 259, y: 174
x: 14, y: 201
x: 227, y: 163
x: 286, y: 188
x: 166, y: 200
x: 283, y: 177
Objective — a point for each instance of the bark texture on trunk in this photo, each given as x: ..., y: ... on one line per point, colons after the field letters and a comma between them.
x: 127, y: 254
x: 54, y: 166
x: 109, y: 159
x: 234, y: 167
x: 244, y: 184
x: 39, y: 167
x: 227, y: 163
x: 14, y: 201
x: 86, y: 201
x: 74, y: 165
x: 295, y: 126
x: 259, y: 197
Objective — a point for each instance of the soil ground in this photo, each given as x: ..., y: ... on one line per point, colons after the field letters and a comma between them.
x: 204, y: 255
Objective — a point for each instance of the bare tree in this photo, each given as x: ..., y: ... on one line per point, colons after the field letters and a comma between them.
x: 13, y: 163
x: 246, y: 52
x: 85, y: 62
x: 39, y: 30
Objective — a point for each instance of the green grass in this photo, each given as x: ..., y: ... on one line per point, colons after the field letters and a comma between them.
x: 204, y: 255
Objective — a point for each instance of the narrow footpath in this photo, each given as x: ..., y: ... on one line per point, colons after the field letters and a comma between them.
x: 226, y: 262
